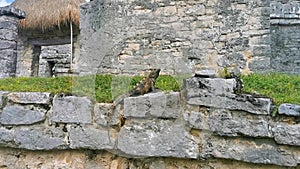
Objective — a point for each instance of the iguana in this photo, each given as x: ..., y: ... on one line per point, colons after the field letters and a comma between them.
x: 145, y: 86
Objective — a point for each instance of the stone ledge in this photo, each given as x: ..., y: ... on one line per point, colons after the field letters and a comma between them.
x: 29, y: 97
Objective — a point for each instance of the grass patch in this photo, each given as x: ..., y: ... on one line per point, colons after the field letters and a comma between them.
x: 105, y: 88
x: 100, y: 88
x: 283, y: 88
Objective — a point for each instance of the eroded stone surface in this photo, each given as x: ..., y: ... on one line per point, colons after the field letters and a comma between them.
x: 29, y: 97
x: 157, y: 138
x: 2, y: 98
x: 40, y: 138
x: 263, y: 152
x: 287, y: 134
x: 89, y: 138
x: 153, y: 104
x: 71, y: 109
x: 20, y: 115
x: 219, y: 93
x: 289, y: 109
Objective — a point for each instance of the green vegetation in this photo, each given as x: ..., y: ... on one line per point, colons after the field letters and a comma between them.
x: 101, y: 88
x: 283, y: 88
x: 104, y: 88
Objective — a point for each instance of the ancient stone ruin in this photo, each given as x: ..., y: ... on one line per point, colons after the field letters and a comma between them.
x: 205, y: 125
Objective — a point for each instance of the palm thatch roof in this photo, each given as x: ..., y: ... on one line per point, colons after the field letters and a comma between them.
x: 44, y: 14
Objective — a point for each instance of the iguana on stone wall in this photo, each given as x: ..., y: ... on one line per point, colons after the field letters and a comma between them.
x: 145, y: 86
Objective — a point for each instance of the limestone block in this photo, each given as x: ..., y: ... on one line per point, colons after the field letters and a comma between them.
x: 287, y: 134
x: 40, y: 138
x: 6, y: 137
x: 20, y: 115
x: 157, y: 138
x: 2, y: 99
x: 218, y: 93
x: 71, y: 109
x: 101, y: 112
x: 289, y: 109
x: 225, y: 123
x: 89, y: 138
x: 153, y: 105
x: 249, y: 151
x: 29, y: 97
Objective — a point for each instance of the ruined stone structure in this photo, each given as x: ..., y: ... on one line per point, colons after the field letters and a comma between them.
x: 183, y: 36
x: 205, y: 125
x: 285, y: 31
x: 9, y: 19
x: 176, y: 36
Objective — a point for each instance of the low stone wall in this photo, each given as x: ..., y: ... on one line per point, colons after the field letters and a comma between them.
x: 205, y: 121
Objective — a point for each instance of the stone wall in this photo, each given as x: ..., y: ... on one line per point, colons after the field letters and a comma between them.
x: 205, y: 125
x: 285, y: 27
x: 177, y: 36
x: 9, y: 19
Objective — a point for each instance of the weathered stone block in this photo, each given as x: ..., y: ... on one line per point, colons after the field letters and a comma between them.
x: 20, y: 115
x: 6, y: 137
x: 89, y: 138
x: 218, y: 93
x: 157, y: 138
x: 2, y: 98
x: 40, y: 138
x: 262, y: 152
x: 226, y: 123
x: 287, y: 134
x: 29, y: 97
x: 101, y: 112
x: 289, y: 109
x: 197, y: 120
x: 71, y: 109
x: 153, y: 104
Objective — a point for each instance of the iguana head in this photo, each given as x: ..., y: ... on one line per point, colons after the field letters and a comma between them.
x: 154, y: 73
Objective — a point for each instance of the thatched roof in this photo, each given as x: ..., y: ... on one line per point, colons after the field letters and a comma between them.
x: 44, y: 14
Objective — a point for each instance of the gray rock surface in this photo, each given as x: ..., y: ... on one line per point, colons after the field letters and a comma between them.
x: 289, y: 109
x: 29, y: 97
x: 153, y: 105
x: 71, y: 109
x: 287, y: 134
x: 226, y: 123
x: 101, y: 112
x: 40, y: 138
x: 218, y: 93
x: 157, y: 138
x: 262, y: 152
x: 6, y: 137
x: 3, y: 95
x: 89, y: 138
x: 20, y: 115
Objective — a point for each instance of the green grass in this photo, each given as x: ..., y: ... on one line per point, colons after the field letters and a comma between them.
x: 105, y: 88
x: 283, y: 88
x: 100, y: 88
